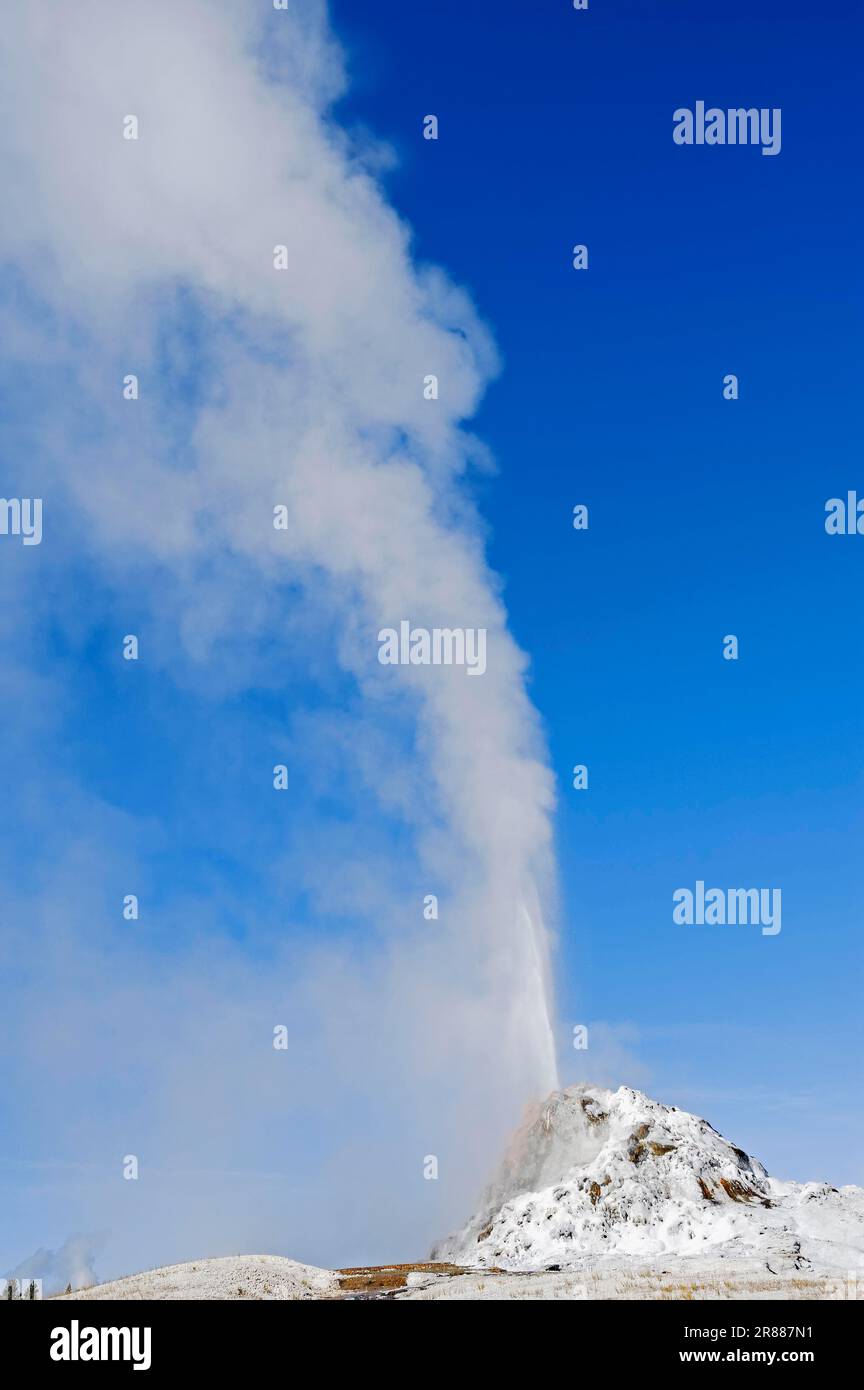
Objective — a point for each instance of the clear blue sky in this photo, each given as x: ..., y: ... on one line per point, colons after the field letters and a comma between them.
x: 706, y: 516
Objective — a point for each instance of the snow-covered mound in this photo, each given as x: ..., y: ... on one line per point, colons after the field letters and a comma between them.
x: 595, y: 1174
x: 261, y: 1277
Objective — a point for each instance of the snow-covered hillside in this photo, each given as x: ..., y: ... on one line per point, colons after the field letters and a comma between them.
x: 595, y: 1176
x: 251, y: 1277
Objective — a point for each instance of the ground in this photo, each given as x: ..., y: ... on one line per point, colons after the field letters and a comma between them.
x: 270, y: 1277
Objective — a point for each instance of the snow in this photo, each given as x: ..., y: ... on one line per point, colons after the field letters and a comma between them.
x: 595, y: 1177
x: 265, y: 1277
x: 694, y: 1280
x: 261, y: 1277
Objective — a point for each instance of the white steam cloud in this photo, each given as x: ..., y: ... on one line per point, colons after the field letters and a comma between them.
x: 72, y: 1264
x: 303, y: 388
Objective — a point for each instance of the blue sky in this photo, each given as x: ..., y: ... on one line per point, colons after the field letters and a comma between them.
x: 706, y: 515
x: 706, y: 518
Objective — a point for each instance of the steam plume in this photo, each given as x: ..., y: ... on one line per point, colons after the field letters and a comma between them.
x: 300, y: 388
